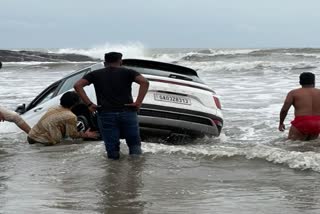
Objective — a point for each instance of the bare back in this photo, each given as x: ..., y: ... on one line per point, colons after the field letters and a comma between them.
x: 306, y: 101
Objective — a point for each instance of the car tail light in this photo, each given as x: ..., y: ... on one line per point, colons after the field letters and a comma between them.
x: 217, y: 102
x: 216, y: 122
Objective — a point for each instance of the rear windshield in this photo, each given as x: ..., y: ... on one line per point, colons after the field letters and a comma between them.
x: 163, y: 73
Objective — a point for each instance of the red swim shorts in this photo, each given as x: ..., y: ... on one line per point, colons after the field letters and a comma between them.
x: 308, y: 125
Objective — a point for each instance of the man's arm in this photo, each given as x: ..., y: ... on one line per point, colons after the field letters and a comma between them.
x: 80, y: 84
x: 71, y: 131
x: 284, y: 110
x: 143, y: 89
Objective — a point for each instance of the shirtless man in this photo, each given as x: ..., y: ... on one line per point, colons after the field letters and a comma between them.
x: 306, y: 102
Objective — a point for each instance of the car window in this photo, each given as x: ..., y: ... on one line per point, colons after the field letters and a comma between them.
x: 163, y: 73
x: 70, y: 81
x: 46, y: 95
x: 97, y: 66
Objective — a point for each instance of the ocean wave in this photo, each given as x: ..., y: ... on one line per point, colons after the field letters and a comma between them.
x: 216, y: 54
x: 129, y: 50
x: 303, y: 66
x: 167, y: 57
x: 31, y: 63
x: 258, y: 67
x: 302, y: 160
x: 298, y: 52
x: 310, y: 55
x: 132, y: 49
x: 221, y: 52
x: 293, y: 159
x: 230, y: 54
x: 137, y: 50
x: 227, y: 54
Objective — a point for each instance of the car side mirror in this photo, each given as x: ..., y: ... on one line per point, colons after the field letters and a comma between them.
x: 21, y: 108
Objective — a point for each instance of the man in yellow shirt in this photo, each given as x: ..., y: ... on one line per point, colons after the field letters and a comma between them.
x: 59, y: 122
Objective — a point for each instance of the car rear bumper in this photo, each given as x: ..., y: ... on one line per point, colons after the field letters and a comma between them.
x: 170, y: 126
x: 163, y: 120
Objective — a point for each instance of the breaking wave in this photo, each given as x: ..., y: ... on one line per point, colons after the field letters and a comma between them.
x: 288, y: 155
x: 138, y: 50
x: 130, y: 50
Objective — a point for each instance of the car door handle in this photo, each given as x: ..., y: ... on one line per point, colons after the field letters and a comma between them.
x: 37, y: 109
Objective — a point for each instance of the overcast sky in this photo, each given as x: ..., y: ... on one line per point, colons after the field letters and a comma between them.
x: 160, y: 23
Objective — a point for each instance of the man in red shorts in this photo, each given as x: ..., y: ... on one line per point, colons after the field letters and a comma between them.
x: 306, y: 102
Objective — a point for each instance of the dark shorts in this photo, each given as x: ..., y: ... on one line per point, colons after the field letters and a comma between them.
x: 115, y: 124
x: 308, y: 125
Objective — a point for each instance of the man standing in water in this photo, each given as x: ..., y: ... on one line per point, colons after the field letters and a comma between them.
x: 117, y: 114
x: 306, y: 102
x: 11, y: 116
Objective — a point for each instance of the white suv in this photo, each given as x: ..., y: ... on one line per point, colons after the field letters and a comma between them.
x: 177, y: 103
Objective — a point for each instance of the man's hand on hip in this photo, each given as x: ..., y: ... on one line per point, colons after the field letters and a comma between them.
x: 93, y: 107
x: 135, y: 105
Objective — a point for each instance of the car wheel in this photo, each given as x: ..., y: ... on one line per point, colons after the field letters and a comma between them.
x: 82, y: 124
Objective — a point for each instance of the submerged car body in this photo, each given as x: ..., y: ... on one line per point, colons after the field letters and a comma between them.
x: 177, y: 103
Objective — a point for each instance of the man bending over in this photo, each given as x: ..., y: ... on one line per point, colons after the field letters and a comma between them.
x: 59, y: 122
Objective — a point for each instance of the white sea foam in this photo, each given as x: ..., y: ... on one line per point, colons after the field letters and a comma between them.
x: 264, y: 151
x: 231, y: 51
x: 252, y: 67
x: 130, y: 50
x: 179, y: 57
x: 137, y: 50
x: 293, y: 159
x: 166, y: 57
x: 316, y: 55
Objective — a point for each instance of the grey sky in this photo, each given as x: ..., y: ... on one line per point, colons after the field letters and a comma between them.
x: 160, y: 23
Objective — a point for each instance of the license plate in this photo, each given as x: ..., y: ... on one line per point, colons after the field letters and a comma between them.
x: 172, y: 98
